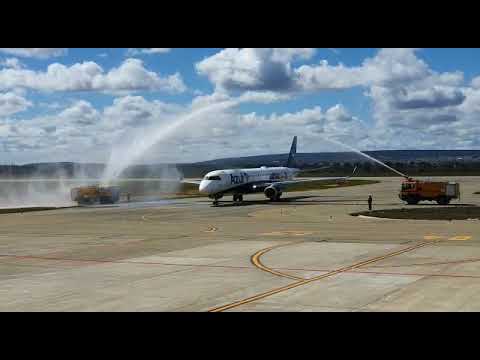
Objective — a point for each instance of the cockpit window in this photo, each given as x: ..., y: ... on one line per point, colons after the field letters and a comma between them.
x: 212, y: 178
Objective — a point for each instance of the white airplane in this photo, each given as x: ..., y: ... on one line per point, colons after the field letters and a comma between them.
x: 272, y: 181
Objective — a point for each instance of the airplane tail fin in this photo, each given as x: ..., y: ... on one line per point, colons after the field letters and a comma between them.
x: 293, y: 152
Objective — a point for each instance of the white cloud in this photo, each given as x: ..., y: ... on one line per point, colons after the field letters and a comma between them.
x: 39, y: 53
x: 11, y: 103
x: 263, y: 97
x: 147, y: 51
x: 13, y: 63
x: 156, y: 50
x: 434, y: 97
x: 80, y: 113
x: 390, y: 67
x: 131, y: 75
x: 326, y: 77
x: 252, y: 69
x: 476, y: 82
x: 135, y: 111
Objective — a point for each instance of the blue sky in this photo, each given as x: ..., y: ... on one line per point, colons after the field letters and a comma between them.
x: 82, y: 104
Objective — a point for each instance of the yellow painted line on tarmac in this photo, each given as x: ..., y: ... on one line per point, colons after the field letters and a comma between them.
x: 255, y: 259
x: 461, y: 237
x: 211, y: 229
x: 287, y: 233
x: 437, y: 237
x: 432, y: 237
x: 320, y: 277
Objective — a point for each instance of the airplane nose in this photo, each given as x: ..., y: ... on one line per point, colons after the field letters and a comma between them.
x: 202, y: 188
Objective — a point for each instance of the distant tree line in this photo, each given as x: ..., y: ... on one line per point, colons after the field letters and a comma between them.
x: 412, y: 168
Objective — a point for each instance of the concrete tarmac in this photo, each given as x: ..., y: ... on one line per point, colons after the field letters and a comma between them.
x: 304, y: 253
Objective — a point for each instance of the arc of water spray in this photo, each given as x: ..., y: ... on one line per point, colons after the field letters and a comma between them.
x: 364, y: 155
x: 119, y: 162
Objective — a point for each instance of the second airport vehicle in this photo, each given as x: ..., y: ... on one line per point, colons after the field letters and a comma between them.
x: 94, y: 194
x: 272, y: 181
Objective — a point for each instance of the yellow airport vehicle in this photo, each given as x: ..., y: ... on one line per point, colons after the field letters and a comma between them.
x: 94, y: 194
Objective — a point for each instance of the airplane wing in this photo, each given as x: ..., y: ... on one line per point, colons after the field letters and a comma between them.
x: 284, y: 185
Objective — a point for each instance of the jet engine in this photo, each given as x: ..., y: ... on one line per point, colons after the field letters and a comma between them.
x: 272, y: 193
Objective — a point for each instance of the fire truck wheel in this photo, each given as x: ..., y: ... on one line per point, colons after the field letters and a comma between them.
x: 443, y: 201
x: 412, y: 201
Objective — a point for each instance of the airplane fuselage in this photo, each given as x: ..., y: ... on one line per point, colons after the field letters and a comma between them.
x: 243, y: 181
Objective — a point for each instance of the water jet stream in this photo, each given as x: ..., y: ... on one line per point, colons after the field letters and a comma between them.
x: 364, y: 155
x: 124, y: 156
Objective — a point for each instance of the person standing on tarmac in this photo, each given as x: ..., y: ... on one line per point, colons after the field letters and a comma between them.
x: 370, y: 200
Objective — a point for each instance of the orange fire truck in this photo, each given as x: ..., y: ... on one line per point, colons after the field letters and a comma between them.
x: 414, y: 191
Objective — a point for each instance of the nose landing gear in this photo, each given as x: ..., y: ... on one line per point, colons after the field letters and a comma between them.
x: 215, y: 199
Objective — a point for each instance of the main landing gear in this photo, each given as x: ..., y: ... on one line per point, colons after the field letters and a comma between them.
x: 238, y: 198
x: 276, y: 197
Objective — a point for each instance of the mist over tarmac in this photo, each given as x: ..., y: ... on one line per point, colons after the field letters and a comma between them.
x: 54, y: 190
x: 37, y: 192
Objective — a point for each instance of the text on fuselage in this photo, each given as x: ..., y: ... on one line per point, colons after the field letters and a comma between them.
x: 238, y: 179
